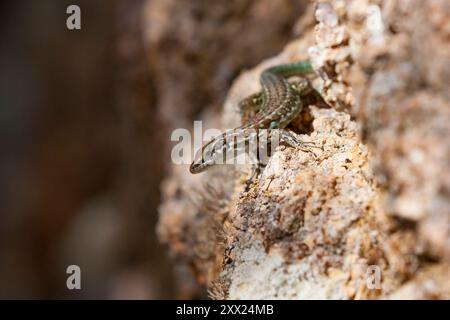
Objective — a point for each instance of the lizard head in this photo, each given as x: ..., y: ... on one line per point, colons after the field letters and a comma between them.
x: 204, y: 158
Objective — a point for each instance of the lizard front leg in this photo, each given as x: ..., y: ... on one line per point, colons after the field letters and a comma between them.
x: 292, y: 140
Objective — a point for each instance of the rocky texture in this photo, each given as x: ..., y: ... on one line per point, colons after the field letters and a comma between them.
x: 394, y: 87
x: 291, y: 230
x: 429, y: 283
x: 375, y: 193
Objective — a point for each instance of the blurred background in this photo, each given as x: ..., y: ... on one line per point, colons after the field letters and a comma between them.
x: 85, y: 123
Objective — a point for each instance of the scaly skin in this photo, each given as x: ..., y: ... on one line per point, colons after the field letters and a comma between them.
x: 278, y: 103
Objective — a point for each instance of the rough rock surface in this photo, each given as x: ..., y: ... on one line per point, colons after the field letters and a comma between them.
x: 373, y: 195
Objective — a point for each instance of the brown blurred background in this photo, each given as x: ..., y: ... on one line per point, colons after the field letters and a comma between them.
x: 84, y: 130
x: 71, y: 151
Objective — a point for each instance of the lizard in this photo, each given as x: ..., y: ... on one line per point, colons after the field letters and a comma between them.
x: 276, y: 105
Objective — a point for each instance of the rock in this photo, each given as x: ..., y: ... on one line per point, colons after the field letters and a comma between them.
x: 365, y: 214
